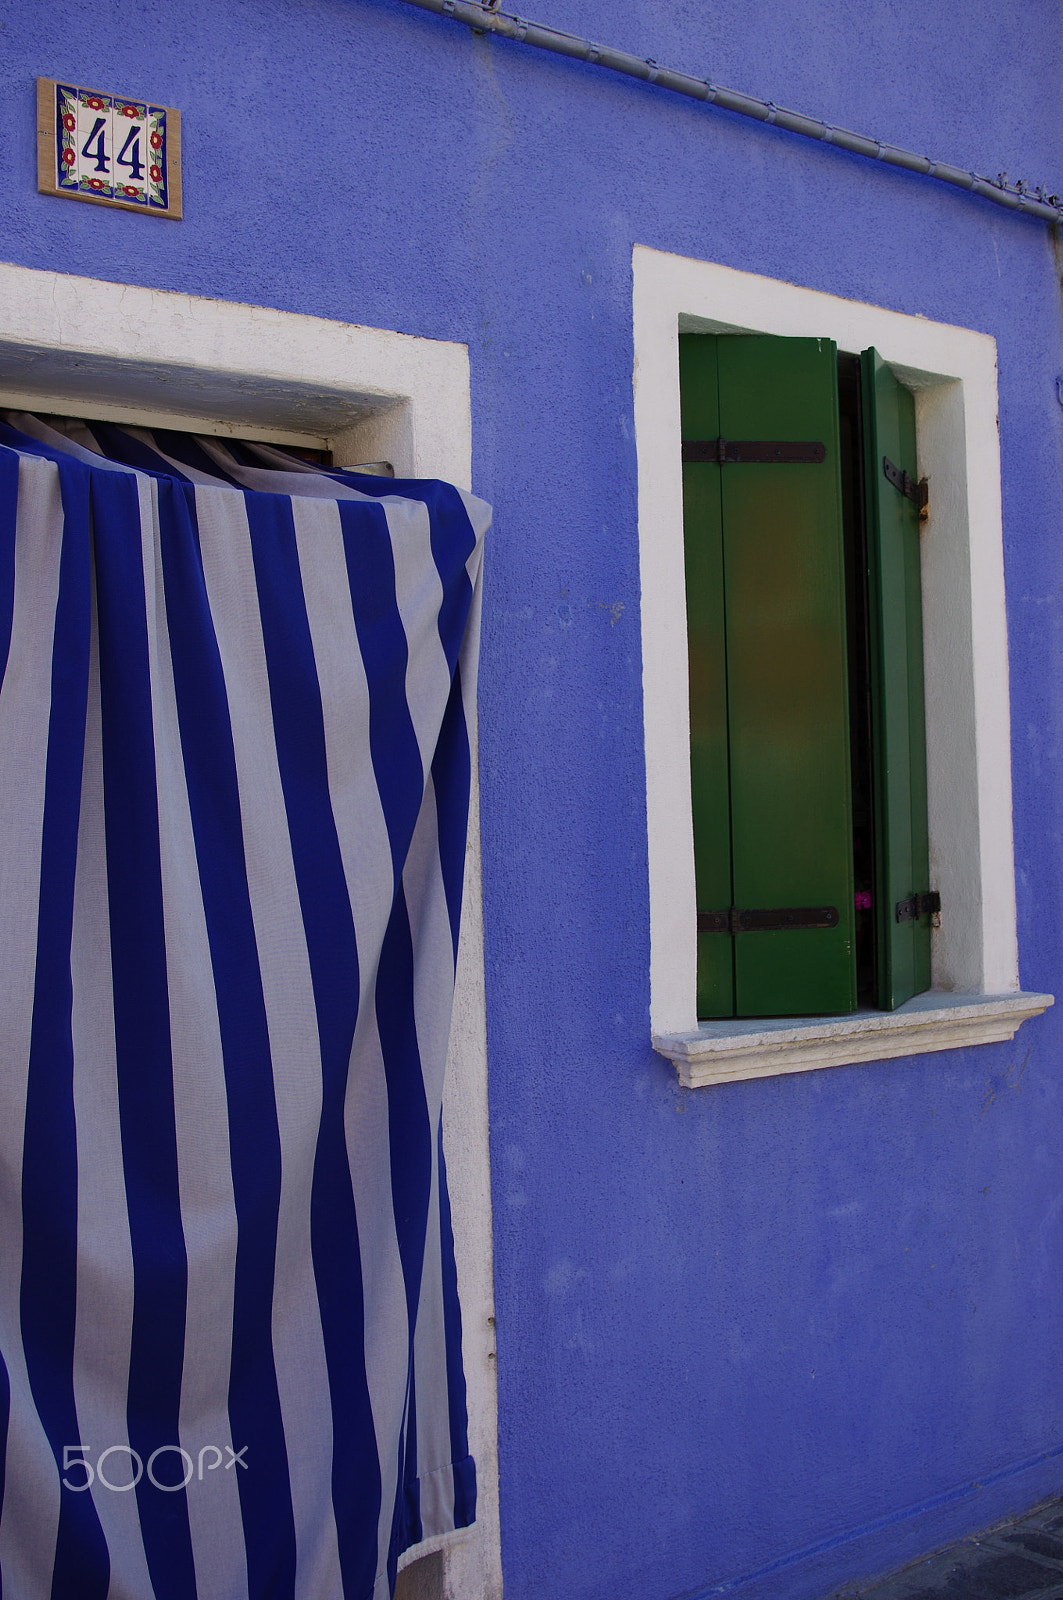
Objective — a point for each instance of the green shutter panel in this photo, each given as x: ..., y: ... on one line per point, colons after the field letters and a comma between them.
x: 709, y: 775
x: 775, y: 661
x: 788, y: 708
x: 902, y: 867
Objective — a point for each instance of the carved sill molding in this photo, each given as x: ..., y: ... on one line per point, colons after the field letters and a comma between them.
x: 725, y: 1052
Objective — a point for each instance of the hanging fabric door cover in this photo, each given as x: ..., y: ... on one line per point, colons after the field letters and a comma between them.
x: 234, y: 787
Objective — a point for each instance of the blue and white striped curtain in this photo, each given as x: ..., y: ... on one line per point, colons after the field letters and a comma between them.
x: 234, y: 785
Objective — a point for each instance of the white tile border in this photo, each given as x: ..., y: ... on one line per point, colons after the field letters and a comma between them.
x: 145, y: 354
x: 953, y: 374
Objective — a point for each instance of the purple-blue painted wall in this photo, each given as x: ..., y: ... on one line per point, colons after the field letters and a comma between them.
x: 792, y: 1321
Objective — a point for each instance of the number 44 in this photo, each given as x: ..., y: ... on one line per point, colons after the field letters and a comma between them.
x: 95, y: 149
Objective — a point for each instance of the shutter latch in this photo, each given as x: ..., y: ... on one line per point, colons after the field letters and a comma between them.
x: 770, y: 452
x: 772, y: 921
x: 919, y: 905
x: 918, y: 493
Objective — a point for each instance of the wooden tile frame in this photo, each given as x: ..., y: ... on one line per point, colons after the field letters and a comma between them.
x: 47, y: 177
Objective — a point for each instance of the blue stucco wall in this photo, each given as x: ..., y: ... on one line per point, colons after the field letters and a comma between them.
x: 784, y: 1322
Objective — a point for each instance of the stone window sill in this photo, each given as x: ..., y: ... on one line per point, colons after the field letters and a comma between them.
x: 728, y: 1051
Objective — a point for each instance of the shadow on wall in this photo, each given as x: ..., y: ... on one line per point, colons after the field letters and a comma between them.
x: 422, y: 1580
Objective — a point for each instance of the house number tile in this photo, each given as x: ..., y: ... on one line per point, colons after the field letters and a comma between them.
x: 112, y: 149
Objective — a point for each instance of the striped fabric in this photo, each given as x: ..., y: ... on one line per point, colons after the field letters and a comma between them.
x: 234, y: 783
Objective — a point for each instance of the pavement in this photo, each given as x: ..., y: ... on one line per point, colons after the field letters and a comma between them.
x: 1020, y: 1560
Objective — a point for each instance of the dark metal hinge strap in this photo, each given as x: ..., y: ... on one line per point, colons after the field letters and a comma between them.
x: 771, y: 452
x: 918, y: 493
x: 768, y: 921
x: 919, y: 905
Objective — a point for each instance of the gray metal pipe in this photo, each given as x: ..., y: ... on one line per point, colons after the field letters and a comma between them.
x: 484, y: 18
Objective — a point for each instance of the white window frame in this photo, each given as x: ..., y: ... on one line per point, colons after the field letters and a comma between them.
x: 952, y: 372
x: 125, y: 353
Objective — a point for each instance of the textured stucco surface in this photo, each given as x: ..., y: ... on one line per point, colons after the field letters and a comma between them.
x: 740, y: 1323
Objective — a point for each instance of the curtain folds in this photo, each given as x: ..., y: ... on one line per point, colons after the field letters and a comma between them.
x: 234, y: 786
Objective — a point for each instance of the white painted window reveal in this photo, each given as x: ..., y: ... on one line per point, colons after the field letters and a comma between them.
x: 975, y: 996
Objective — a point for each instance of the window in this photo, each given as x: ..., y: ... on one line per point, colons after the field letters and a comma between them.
x: 950, y: 373
x: 804, y: 622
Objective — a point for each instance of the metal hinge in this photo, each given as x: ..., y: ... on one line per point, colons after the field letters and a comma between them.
x: 918, y: 493
x: 734, y: 921
x: 919, y: 905
x: 764, y: 451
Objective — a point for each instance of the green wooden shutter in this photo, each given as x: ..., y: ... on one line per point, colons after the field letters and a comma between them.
x: 898, y: 706
x: 783, y: 709
x: 706, y: 647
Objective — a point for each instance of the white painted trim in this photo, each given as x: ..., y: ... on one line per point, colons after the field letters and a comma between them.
x: 370, y: 394
x: 953, y: 374
x: 726, y: 1052
x: 141, y: 417
x: 198, y: 360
